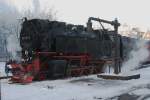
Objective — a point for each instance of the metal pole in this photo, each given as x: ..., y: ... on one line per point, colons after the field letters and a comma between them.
x: 117, y: 65
x: 0, y: 89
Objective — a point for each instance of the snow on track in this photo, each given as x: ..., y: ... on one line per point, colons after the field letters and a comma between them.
x: 80, y: 88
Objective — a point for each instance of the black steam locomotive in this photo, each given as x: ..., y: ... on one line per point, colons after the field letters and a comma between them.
x: 56, y: 49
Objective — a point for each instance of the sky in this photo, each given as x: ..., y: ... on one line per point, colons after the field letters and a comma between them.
x: 133, y: 12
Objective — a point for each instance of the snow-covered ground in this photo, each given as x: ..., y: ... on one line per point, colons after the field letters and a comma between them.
x: 80, y: 88
x: 2, y: 69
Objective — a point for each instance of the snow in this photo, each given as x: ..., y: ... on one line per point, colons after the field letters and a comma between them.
x: 143, y: 91
x: 79, y: 88
x: 2, y: 71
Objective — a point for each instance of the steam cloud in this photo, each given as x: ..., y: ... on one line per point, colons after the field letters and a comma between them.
x: 10, y: 20
x: 138, y: 55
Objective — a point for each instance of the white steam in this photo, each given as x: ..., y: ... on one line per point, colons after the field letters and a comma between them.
x: 138, y: 55
x: 9, y: 26
x: 13, y: 46
x: 11, y: 14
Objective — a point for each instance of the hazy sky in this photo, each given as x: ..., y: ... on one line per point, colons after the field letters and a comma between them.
x: 134, y: 12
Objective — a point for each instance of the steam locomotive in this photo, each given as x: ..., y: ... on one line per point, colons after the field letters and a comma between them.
x: 53, y: 49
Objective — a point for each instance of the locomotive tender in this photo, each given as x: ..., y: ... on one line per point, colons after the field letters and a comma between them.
x: 53, y: 49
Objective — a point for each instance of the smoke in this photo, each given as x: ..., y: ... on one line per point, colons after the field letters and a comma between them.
x: 9, y: 26
x: 13, y: 47
x: 38, y: 10
x: 138, y: 55
x: 12, y: 12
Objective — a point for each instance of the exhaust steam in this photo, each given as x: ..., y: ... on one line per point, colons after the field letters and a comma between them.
x: 12, y: 12
x: 137, y: 56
